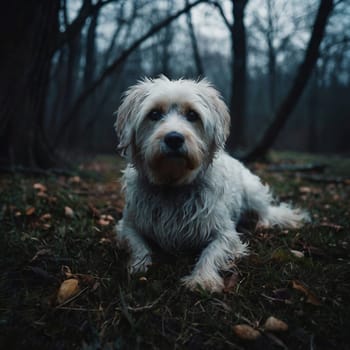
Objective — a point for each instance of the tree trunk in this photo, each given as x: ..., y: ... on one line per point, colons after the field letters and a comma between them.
x: 90, y: 54
x: 239, y: 75
x: 196, y: 55
x: 313, y: 114
x: 288, y: 104
x: 28, y: 34
x: 271, y: 57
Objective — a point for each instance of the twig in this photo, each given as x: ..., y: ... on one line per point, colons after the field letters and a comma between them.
x: 285, y: 301
x: 76, y: 296
x: 79, y: 309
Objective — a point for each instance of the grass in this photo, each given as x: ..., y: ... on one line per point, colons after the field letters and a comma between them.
x: 42, y: 240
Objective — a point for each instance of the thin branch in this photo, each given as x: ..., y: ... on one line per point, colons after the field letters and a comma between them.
x: 114, y: 66
x: 222, y: 13
x: 87, y: 9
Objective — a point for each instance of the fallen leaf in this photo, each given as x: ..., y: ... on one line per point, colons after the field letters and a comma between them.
x: 110, y: 218
x: 30, y: 211
x: 68, y: 212
x: 246, y: 332
x: 105, y: 240
x: 311, y: 297
x: 46, y: 216
x: 40, y: 187
x: 103, y: 222
x: 67, y: 289
x: 67, y: 271
x: 74, y: 179
x: 273, y: 324
x: 297, y: 253
x: 305, y: 189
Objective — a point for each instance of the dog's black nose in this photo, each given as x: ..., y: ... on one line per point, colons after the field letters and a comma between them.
x: 174, y: 140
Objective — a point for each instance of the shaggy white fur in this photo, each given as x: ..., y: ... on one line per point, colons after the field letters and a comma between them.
x: 182, y: 190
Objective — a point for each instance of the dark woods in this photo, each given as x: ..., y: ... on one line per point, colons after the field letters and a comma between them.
x: 282, y: 66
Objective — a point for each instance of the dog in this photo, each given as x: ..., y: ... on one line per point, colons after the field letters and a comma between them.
x: 182, y: 190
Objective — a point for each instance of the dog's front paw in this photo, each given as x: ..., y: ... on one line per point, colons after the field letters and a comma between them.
x: 140, y: 263
x: 210, y: 282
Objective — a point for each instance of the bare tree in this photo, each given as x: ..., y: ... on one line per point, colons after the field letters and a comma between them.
x: 115, y: 65
x: 238, y: 71
x: 28, y: 36
x: 302, y: 76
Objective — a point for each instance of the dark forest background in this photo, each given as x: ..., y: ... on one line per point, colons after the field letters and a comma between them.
x: 283, y: 67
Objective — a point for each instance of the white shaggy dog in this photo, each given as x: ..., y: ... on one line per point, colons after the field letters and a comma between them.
x: 182, y: 190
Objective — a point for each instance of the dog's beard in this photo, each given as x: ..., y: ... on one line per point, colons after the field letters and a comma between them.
x: 166, y: 168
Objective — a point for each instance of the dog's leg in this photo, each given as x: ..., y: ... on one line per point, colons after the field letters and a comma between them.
x: 215, y: 257
x: 140, y: 258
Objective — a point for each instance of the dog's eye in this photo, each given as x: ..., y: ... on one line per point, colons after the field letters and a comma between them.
x: 192, y: 116
x: 155, y: 114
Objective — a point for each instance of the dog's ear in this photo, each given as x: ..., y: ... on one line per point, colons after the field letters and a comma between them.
x: 127, y: 115
x: 220, y: 112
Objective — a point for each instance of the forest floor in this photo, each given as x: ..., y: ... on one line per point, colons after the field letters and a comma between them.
x: 64, y: 283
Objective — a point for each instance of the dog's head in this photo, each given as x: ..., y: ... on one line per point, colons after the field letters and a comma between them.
x: 171, y: 129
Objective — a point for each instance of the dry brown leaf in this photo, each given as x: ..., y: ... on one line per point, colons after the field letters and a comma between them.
x: 46, y: 216
x: 40, y: 187
x: 297, y: 253
x: 68, y: 212
x: 110, y: 218
x: 67, y: 271
x: 305, y: 189
x: 105, y: 240
x: 246, y: 332
x: 103, y: 222
x: 67, y: 290
x: 311, y: 297
x: 273, y: 324
x: 30, y: 211
x: 74, y: 179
